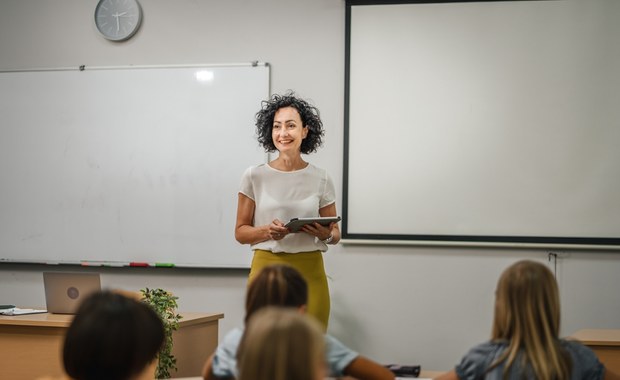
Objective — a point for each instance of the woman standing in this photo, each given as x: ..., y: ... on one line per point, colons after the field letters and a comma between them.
x: 289, y: 187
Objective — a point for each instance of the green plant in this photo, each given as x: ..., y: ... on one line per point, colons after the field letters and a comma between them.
x: 165, y: 304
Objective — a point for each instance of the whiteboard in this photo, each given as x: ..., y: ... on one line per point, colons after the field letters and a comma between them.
x: 128, y: 164
x: 483, y: 122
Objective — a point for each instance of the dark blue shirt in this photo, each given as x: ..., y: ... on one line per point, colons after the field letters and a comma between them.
x: 473, y: 366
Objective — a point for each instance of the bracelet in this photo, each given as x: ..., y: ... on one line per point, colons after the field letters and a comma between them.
x: 329, y: 239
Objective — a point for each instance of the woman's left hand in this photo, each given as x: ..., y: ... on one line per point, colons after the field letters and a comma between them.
x: 321, y: 232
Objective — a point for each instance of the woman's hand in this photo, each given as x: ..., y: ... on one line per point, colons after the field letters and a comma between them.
x: 321, y: 232
x: 277, y: 231
x: 328, y: 234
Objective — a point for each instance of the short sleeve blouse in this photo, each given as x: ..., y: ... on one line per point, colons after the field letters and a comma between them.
x: 285, y: 195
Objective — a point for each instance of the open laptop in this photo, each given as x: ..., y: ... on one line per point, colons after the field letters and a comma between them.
x: 65, y: 290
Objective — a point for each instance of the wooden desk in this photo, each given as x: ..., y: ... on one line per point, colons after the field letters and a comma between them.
x: 430, y: 374
x: 31, y: 345
x: 604, y: 343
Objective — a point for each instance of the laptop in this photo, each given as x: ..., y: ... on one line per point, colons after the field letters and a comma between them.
x: 65, y: 290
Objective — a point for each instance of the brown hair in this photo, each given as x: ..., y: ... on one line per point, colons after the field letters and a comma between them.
x: 276, y: 285
x: 527, y: 315
x: 281, y: 344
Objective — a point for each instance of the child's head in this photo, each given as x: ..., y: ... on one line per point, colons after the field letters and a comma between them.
x: 112, y: 337
x: 281, y: 344
x: 527, y: 303
x: 527, y: 317
x: 276, y: 285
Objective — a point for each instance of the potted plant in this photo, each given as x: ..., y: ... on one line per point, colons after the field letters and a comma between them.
x: 165, y: 304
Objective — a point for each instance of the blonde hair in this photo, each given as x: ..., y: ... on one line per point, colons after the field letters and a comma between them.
x: 281, y: 344
x: 527, y: 316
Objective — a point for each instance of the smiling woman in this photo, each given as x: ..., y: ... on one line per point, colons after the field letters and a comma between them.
x: 289, y: 187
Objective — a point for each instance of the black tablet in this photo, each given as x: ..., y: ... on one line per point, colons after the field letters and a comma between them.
x: 295, y: 224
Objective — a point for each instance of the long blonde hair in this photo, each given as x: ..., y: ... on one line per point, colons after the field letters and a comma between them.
x: 527, y: 316
x: 281, y: 344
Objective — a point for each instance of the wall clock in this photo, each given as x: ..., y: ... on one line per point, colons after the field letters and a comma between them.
x: 118, y: 20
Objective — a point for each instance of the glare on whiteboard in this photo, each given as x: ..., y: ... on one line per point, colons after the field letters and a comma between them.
x: 204, y: 76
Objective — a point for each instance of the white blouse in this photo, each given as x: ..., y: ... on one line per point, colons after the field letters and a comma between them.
x: 286, y: 195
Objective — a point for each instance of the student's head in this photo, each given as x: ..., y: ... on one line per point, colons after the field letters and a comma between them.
x: 308, y: 115
x: 112, y: 337
x: 276, y: 285
x: 527, y: 315
x: 526, y: 302
x: 281, y: 344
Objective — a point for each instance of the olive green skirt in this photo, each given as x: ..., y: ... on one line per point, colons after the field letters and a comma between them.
x: 310, y: 265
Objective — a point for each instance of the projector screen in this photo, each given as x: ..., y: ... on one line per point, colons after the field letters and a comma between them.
x: 483, y: 122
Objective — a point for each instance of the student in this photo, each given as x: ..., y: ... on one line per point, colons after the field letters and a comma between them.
x: 282, y: 344
x: 525, y: 341
x: 283, y: 285
x: 113, y: 337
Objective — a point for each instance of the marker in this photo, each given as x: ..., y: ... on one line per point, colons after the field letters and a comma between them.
x: 114, y: 264
x: 90, y: 264
x: 135, y: 264
x: 164, y: 265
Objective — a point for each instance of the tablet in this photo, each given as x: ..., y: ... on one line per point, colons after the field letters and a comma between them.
x: 295, y: 224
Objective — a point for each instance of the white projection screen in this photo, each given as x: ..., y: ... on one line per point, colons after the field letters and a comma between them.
x: 483, y: 122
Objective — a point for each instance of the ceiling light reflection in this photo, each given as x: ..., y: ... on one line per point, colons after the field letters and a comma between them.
x: 204, y: 76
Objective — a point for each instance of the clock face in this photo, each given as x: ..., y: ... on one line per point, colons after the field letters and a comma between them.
x: 118, y: 20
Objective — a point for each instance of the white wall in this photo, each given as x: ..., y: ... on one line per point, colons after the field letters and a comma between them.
x: 396, y: 304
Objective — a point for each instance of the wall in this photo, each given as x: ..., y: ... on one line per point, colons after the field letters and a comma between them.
x: 396, y: 304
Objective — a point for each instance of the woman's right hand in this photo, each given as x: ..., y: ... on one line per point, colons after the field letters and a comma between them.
x: 277, y: 230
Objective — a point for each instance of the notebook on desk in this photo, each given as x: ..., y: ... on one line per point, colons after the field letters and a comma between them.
x: 64, y: 290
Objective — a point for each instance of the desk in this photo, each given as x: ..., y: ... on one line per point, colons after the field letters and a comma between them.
x: 430, y: 374
x: 604, y: 343
x: 31, y: 345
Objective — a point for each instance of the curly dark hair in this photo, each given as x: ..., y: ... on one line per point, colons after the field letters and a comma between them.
x: 310, y: 118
